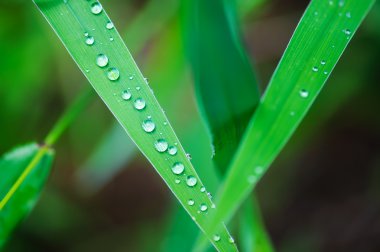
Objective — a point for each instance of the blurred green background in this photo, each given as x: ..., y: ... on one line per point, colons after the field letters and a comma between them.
x: 321, y: 194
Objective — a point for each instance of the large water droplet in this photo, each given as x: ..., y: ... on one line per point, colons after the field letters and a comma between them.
x: 113, y: 74
x: 190, y: 202
x: 191, y: 181
x: 109, y: 25
x: 172, y: 150
x: 96, y: 8
x: 304, y: 93
x: 161, y: 145
x: 102, y: 60
x: 216, y: 238
x: 139, y: 104
x: 178, y: 168
x: 90, y: 40
x: 148, y: 125
x: 126, y: 95
x: 203, y: 207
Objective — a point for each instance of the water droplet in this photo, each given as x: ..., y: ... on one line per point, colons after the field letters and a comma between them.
x: 252, y: 179
x: 213, y: 205
x: 190, y: 202
x: 209, y: 195
x: 331, y: 2
x: 126, y: 95
x: 315, y: 69
x: 96, y: 8
x: 90, y: 40
x: 304, y: 93
x: 178, y: 168
x: 315, y: 13
x: 203, y: 207
x: 165, y: 123
x: 139, y: 104
x: 323, y: 62
x: 216, y: 238
x: 292, y: 113
x: 172, y: 150
x: 102, y: 60
x: 113, y: 74
x: 348, y: 14
x: 341, y: 3
x: 231, y: 240
x: 347, y: 32
x: 131, y: 77
x: 111, y: 39
x: 138, y: 88
x: 191, y: 181
x: 188, y: 155
x: 161, y: 145
x: 259, y: 169
x: 203, y: 189
x: 86, y: 34
x: 325, y: 72
x: 109, y: 25
x: 177, y: 181
x: 148, y: 125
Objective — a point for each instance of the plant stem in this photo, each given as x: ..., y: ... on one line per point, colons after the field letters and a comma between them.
x: 69, y: 116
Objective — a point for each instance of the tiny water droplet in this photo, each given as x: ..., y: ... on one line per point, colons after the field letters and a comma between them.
x: 252, y: 179
x: 109, y: 25
x: 348, y: 14
x: 188, y: 155
x: 138, y: 88
x: 131, y: 77
x: 86, y: 34
x: 111, y: 39
x: 113, y: 74
x: 216, y: 238
x: 315, y: 69
x: 126, y: 95
x: 259, y: 170
x: 292, y: 113
x: 165, y: 123
x: 315, y: 13
x: 148, y: 125
x: 177, y: 181
x: 209, y: 195
x: 213, y: 205
x: 90, y: 40
x: 347, y: 32
x: 325, y: 72
x: 203, y: 207
x: 190, y: 202
x: 341, y: 3
x: 172, y: 150
x: 178, y: 168
x: 102, y: 60
x: 96, y: 8
x: 191, y: 181
x: 161, y: 145
x: 139, y: 104
x: 323, y: 62
x: 203, y: 189
x: 231, y: 240
x: 304, y: 93
x: 331, y: 2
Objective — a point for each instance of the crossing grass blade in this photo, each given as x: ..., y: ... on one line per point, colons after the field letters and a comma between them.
x: 227, y: 92
x: 318, y: 42
x: 97, y: 48
x: 23, y: 172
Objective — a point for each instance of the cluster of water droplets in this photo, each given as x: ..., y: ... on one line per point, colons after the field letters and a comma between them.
x: 161, y: 145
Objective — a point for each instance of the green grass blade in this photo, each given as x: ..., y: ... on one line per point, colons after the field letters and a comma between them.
x: 110, y: 68
x: 227, y: 92
x: 319, y: 40
x: 23, y: 173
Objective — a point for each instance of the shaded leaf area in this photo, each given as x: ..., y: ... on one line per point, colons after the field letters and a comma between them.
x: 225, y: 84
x: 22, y: 200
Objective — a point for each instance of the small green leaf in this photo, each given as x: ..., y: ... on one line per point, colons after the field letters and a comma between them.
x: 23, y: 173
x: 318, y: 42
x: 94, y: 43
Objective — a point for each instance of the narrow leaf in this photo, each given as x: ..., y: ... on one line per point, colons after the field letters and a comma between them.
x: 97, y: 48
x: 318, y: 42
x: 23, y: 172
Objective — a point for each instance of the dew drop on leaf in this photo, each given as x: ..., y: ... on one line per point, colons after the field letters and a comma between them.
x: 190, y: 202
x: 203, y: 189
x: 90, y: 40
x: 113, y: 74
x: 191, y: 181
x: 304, y: 93
x: 231, y: 240
x: 178, y: 168
x: 102, y: 60
x: 148, y: 125
x: 139, y: 104
x: 315, y: 69
x: 126, y: 95
x: 109, y: 25
x: 172, y: 150
x: 161, y: 145
x: 216, y: 238
x: 323, y: 62
x: 96, y: 8
x: 203, y: 207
